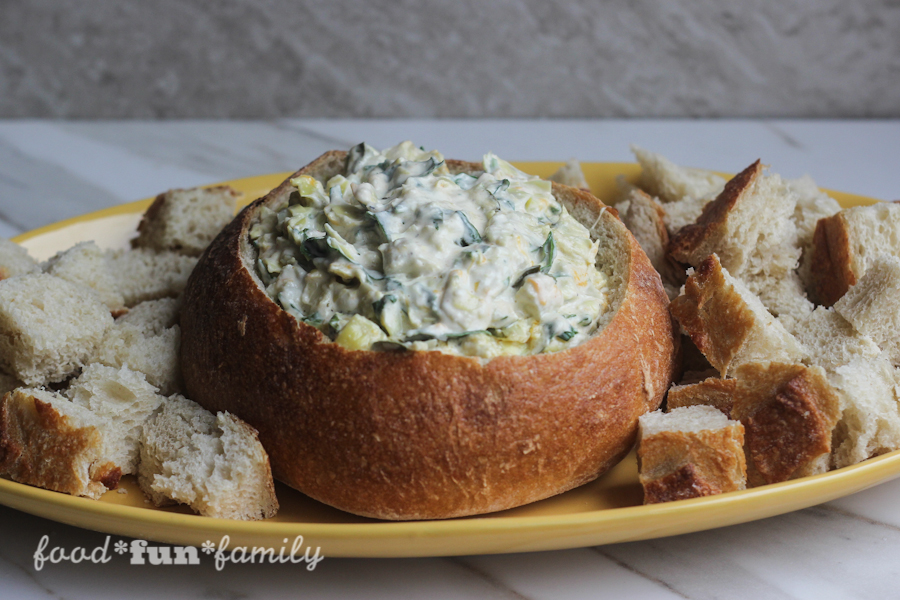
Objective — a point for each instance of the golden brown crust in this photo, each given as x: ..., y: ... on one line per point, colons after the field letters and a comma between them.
x: 681, y: 484
x: 830, y: 267
x: 715, y: 392
x: 41, y: 447
x: 675, y: 465
x: 421, y: 435
x: 670, y: 270
x: 265, y: 500
x: 713, y: 314
x: 150, y: 217
x: 788, y: 412
x: 692, y: 243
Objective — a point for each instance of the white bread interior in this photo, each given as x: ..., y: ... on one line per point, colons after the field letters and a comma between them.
x: 872, y: 306
x: 123, y: 400
x: 15, y: 260
x: 49, y: 327
x: 143, y: 274
x: 186, y: 220
x: 213, y: 463
x: 85, y: 264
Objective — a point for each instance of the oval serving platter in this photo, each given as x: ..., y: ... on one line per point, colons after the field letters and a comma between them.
x: 608, y: 510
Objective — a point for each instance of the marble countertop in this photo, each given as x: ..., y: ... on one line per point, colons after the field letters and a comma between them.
x: 51, y: 170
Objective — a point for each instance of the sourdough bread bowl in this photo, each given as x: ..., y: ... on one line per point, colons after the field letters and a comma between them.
x: 426, y: 434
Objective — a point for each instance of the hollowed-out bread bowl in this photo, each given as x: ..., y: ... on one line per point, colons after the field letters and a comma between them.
x: 425, y: 434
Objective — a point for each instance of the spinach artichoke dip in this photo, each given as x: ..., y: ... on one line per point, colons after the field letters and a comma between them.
x: 398, y: 253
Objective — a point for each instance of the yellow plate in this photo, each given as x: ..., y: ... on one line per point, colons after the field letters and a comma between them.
x: 606, y: 511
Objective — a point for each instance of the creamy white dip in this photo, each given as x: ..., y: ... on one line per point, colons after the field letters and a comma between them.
x: 398, y: 253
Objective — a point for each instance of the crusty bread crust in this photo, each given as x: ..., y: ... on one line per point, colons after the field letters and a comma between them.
x: 728, y: 325
x: 42, y: 447
x: 830, y: 264
x: 422, y: 435
x: 714, y: 315
x: 676, y: 465
x: 696, y: 241
x: 789, y: 413
x: 645, y: 219
x: 713, y: 391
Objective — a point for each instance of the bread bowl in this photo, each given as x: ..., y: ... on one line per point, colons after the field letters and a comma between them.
x: 426, y: 434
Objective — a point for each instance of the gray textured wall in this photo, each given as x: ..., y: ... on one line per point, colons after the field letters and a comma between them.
x: 459, y: 58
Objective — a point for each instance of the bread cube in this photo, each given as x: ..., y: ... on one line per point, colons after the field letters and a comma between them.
x: 213, y: 463
x: 864, y: 380
x: 570, y: 174
x: 186, y: 220
x: 831, y: 341
x: 750, y: 227
x: 85, y: 264
x: 124, y: 400
x: 870, y: 415
x: 49, y: 327
x: 15, y: 260
x: 669, y: 182
x: 644, y: 218
x: 812, y: 205
x: 154, y: 316
x: 688, y: 453
x: 155, y: 355
x: 847, y: 243
x: 144, y: 274
x: 872, y: 305
x: 728, y: 323
x: 789, y: 412
x: 712, y: 391
x: 49, y: 442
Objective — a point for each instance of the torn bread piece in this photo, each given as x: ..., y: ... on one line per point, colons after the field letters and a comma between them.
x: 669, y: 182
x: 683, y: 191
x: 213, y: 463
x: 872, y: 305
x: 49, y: 442
x: 146, y: 340
x: 712, y: 391
x: 688, y: 453
x: 831, y: 341
x: 750, y: 227
x: 124, y: 400
x: 728, y: 323
x: 789, y: 412
x: 870, y: 416
x: 786, y: 299
x: 15, y: 260
x: 570, y: 174
x: 865, y: 382
x: 153, y: 316
x: 144, y: 274
x: 186, y: 220
x: 85, y: 264
x: 643, y: 217
x: 812, y: 204
x: 846, y: 244
x: 49, y: 327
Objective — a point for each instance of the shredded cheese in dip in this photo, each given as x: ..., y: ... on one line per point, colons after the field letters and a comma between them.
x: 398, y: 254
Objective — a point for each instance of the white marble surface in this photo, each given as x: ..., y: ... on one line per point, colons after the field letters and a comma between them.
x: 844, y: 549
x: 380, y: 58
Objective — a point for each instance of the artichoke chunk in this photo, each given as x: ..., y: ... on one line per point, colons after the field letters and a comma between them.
x: 359, y: 334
